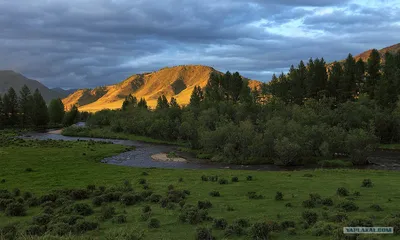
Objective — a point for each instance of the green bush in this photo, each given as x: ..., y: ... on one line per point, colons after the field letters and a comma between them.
x: 339, y: 217
x: 35, y: 230
x: 155, y: 198
x: 327, y: 202
x: 154, y: 223
x: 145, y: 216
x: 15, y: 209
x: 249, y: 178
x: 376, y: 207
x: 343, y: 192
x: 41, y: 220
x: 204, y: 204
x: 214, y: 194
x: 107, y: 212
x: 70, y: 219
x: 254, y: 195
x: 60, y: 229
x: 259, y: 231
x: 366, y: 183
x: 235, y: 179
x: 82, y: 226
x: 234, y: 229
x: 220, y: 223
x: 223, y: 181
x: 97, y: 201
x: 309, y: 203
x: 82, y: 209
x: 130, y: 199
x: 288, y: 151
x: 193, y: 215
x: 310, y: 217
x: 279, y: 196
x: 360, y: 222
x: 203, y: 233
x: 288, y: 224
x: 348, y: 206
x: 242, y: 222
x: 79, y: 194
x: 119, y: 219
x: 146, y: 209
x: 324, y: 229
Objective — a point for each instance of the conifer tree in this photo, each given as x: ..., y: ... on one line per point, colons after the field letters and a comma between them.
x: 10, y: 101
x: 2, y: 114
x: 196, y: 97
x: 25, y: 106
x: 387, y: 94
x: 373, y: 73
x: 142, y: 103
x: 71, y: 116
x: 56, y: 111
x: 360, y: 74
x: 40, y: 114
x: 348, y: 86
x: 335, y: 79
x: 162, y: 102
x: 129, y: 101
x: 173, y: 103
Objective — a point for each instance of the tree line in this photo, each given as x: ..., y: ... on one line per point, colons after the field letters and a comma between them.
x: 27, y: 110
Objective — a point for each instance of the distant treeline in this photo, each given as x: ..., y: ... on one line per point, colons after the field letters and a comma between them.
x: 30, y: 110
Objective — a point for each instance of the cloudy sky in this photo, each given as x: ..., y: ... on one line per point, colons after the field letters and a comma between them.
x: 87, y: 43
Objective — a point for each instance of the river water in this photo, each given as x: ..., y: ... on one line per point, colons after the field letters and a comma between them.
x: 141, y: 156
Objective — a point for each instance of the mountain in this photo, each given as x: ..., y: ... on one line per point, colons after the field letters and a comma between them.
x: 177, y: 82
x: 392, y: 49
x: 15, y: 80
x: 64, y: 92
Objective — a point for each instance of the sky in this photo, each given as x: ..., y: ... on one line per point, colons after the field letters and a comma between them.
x: 89, y: 43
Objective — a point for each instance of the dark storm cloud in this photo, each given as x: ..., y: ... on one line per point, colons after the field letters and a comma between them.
x: 87, y: 43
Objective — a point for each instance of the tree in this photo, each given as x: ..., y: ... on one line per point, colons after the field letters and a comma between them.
x: 71, y: 116
x: 173, y: 103
x: 320, y: 78
x: 348, y: 85
x: 360, y: 74
x: 373, y: 73
x: 196, y: 97
x: 11, y: 107
x: 386, y: 94
x: 40, y: 114
x: 142, y: 103
x: 56, y: 111
x: 310, y: 80
x: 335, y: 79
x: 162, y: 103
x: 129, y: 101
x: 2, y: 114
x: 25, y: 106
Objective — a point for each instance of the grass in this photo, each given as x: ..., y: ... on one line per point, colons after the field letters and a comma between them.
x: 336, y: 163
x: 391, y: 146
x: 106, y: 132
x: 60, y: 165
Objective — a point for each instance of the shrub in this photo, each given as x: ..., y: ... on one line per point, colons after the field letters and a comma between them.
x: 42, y: 219
x: 203, y: 233
x: 253, y: 195
x: 288, y: 205
x: 348, y: 206
x: 213, y: 178
x: 339, y: 217
x: 324, y: 229
x: 327, y: 202
x: 70, y: 220
x: 111, y: 196
x: 193, y: 215
x: 235, y: 179
x: 9, y: 231
x: 279, y: 196
x: 171, y: 206
x: 97, y: 201
x: 4, y: 203
x: 310, y: 217
x: 3, y: 180
x: 230, y: 209
x: 146, y: 194
x: 33, y: 202
x: 395, y: 223
x: 309, y: 203
x: 259, y: 231
x: 223, y: 181
x: 145, y: 216
x: 145, y: 174
x: 170, y: 187
x: 48, y: 198
x: 79, y: 194
x: 60, y: 229
x: 249, y: 178
x: 366, y: 183
x: 154, y: 223
x: 48, y: 210
x: 27, y: 195
x: 187, y: 192
x: 16, y: 192
x: 82, y: 209
x: 145, y: 186
x: 357, y: 194
x: 28, y: 170
x: 107, y: 212
x: 360, y: 222
x: 287, y: 151
x: 91, y: 187
x: 288, y: 224
x: 343, y: 192
x: 234, y: 229
x: 291, y: 231
x: 315, y: 197
x: 204, y: 204
x: 308, y: 175
x: 119, y: 219
x: 82, y: 226
x: 220, y: 223
x: 130, y: 199
x: 376, y: 207
x: 204, y: 178
x: 180, y: 179
x: 155, y: 198
x: 215, y: 194
x: 15, y: 209
x: 242, y: 222
x: 102, y: 188
x: 142, y: 181
x: 35, y: 230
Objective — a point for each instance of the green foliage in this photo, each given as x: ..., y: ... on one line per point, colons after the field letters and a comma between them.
x: 40, y: 114
x: 348, y: 206
x: 260, y: 231
x: 279, y: 196
x: 154, y: 223
x: 310, y: 217
x: 220, y: 223
x: 367, y: 183
x: 15, y: 209
x: 203, y: 233
x: 56, y: 111
x: 343, y: 192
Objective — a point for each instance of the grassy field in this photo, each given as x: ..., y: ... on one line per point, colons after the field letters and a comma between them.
x: 41, y: 167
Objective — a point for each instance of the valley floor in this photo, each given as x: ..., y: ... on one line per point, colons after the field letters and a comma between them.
x: 40, y: 167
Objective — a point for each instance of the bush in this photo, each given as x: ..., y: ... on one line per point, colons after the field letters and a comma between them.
x: 35, y: 230
x: 70, y: 220
x: 357, y: 194
x: 220, y: 223
x: 327, y: 202
x: 84, y: 226
x: 48, y: 198
x: 204, y: 178
x: 376, y: 207
x: 16, y: 192
x: 170, y: 187
x: 360, y: 222
x: 48, y: 210
x: 180, y: 179
x: 287, y: 151
x: 107, y: 212
x: 142, y: 181
x: 4, y: 203
x: 79, y: 194
x: 308, y: 175
x: 348, y: 206
x: 253, y: 195
x: 27, y: 195
x: 288, y: 205
x: 324, y: 229
x: 214, y: 194
x: 60, y: 229
x: 193, y: 215
x: 42, y: 219
x: 145, y: 174
x: 223, y: 181
x: 28, y: 170
x: 310, y: 217
x: 279, y: 196
x: 235, y: 179
x: 395, y: 223
x: 154, y: 223
x: 343, y: 192
x: 249, y: 178
x: 288, y: 224
x: 9, y: 231
x: 15, y: 209
x: 155, y: 198
x: 112, y: 196
x: 97, y: 201
x: 234, y: 229
x: 309, y: 203
x: 339, y: 217
x: 291, y: 231
x: 119, y: 219
x: 259, y: 231
x: 242, y: 222
x: 203, y: 233
x: 145, y: 216
x: 102, y: 188
x: 146, y: 209
x: 230, y: 209
x: 91, y: 187
x: 130, y: 199
x: 204, y: 204
x: 82, y: 209
x: 366, y: 183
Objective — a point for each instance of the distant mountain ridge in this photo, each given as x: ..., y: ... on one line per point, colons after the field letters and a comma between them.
x: 391, y: 49
x: 9, y: 78
x: 177, y: 82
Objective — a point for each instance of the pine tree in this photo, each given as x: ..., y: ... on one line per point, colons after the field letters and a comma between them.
x: 235, y: 87
x: 162, y: 102
x: 56, y: 111
x: 40, y: 114
x: 335, y: 79
x: 173, y: 103
x: 348, y: 85
x: 373, y: 73
x: 387, y: 92
x: 142, y: 103
x: 196, y: 97
x: 71, y: 116
x: 360, y: 75
x: 2, y: 114
x: 213, y: 90
x: 130, y: 101
x: 311, y: 84
x: 25, y: 106
x: 10, y: 101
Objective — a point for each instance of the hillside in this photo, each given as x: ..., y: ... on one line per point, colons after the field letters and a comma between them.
x: 175, y: 82
x: 15, y: 80
x: 392, y: 49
